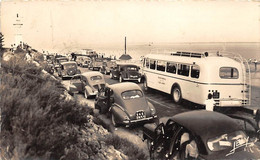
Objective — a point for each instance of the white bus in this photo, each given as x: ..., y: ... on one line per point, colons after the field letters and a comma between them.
x: 193, y: 76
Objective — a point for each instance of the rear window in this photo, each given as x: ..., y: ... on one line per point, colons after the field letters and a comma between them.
x: 131, y: 68
x: 227, y: 141
x: 228, y: 73
x: 132, y: 94
x: 93, y: 78
x: 68, y: 66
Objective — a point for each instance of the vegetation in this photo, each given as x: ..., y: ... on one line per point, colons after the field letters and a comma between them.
x: 38, y: 121
x: 128, y: 148
x: 1, y: 44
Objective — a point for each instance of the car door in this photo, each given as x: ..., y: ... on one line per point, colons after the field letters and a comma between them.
x: 102, y: 100
x: 77, y: 82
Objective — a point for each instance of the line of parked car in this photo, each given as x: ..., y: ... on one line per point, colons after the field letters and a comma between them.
x: 191, y: 135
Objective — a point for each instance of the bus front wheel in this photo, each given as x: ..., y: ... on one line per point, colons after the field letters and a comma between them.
x: 176, y: 95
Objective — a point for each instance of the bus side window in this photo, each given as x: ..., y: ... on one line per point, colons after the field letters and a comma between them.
x: 161, y: 66
x: 171, y: 67
x: 147, y: 63
x: 195, y: 71
x: 183, y: 69
x: 152, y: 64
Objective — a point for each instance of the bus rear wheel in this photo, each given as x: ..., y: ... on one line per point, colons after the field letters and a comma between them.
x: 176, y: 95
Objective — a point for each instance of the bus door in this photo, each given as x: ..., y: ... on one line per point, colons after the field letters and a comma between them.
x: 161, y: 79
x: 151, y: 74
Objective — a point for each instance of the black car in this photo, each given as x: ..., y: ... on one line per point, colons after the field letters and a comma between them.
x: 203, y: 135
x: 126, y: 72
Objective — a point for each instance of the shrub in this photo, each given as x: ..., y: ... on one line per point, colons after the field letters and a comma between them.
x: 37, y: 122
x: 128, y: 148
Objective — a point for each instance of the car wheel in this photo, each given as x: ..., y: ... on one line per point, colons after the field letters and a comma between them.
x: 176, y: 95
x: 113, y: 120
x: 111, y: 75
x: 86, y: 94
x: 120, y: 79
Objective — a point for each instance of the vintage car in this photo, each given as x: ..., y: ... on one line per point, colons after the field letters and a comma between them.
x: 83, y: 61
x: 88, y: 83
x: 67, y: 69
x: 107, y: 66
x: 95, y: 64
x: 58, y: 62
x: 126, y: 103
x: 126, y: 72
x: 203, y: 134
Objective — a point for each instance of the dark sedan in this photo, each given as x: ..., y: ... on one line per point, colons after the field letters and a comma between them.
x: 203, y: 135
x: 126, y: 103
x: 126, y: 72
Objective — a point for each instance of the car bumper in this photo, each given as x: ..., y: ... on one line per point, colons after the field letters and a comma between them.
x: 231, y: 102
x: 131, y: 79
x: 130, y: 122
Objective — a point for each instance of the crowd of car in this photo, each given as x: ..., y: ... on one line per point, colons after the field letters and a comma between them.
x: 196, y: 134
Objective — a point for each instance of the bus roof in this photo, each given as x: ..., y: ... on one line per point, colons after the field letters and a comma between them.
x: 212, y: 60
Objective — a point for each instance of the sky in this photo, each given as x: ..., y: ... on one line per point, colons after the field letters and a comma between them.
x: 66, y: 23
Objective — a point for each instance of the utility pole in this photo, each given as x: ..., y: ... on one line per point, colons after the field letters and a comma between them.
x: 125, y: 45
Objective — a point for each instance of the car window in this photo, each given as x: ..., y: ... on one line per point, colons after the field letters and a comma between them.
x: 132, y: 68
x: 68, y: 66
x: 226, y: 141
x: 132, y: 94
x: 94, y: 78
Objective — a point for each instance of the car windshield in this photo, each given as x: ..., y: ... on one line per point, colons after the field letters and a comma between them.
x: 131, y: 68
x: 68, y: 66
x: 225, y: 141
x: 94, y: 78
x: 63, y: 60
x: 132, y: 94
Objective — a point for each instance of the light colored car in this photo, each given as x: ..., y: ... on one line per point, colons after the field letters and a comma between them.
x: 88, y: 83
x: 126, y: 103
x: 83, y: 61
x: 107, y: 66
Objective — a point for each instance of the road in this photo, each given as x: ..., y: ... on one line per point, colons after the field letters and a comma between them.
x: 162, y: 102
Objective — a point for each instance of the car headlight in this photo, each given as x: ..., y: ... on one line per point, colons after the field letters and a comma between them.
x: 126, y: 118
x: 153, y: 112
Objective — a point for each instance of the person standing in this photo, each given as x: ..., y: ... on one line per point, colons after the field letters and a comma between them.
x: 210, y: 103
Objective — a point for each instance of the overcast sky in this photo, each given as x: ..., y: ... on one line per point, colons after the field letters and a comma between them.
x: 80, y: 23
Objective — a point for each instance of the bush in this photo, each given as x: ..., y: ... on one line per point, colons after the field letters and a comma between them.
x: 37, y: 122
x: 128, y: 148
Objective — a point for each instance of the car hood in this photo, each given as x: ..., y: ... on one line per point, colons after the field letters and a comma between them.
x: 133, y: 105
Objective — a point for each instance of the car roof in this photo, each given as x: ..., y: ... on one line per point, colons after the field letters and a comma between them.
x: 92, y: 73
x: 124, y: 86
x: 69, y: 62
x: 206, y: 124
x: 61, y: 58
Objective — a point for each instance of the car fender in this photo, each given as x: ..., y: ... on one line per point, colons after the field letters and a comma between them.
x: 151, y: 107
x: 118, y: 112
x: 88, y: 89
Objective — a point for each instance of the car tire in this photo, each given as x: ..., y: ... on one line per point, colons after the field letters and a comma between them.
x: 176, y: 95
x: 111, y: 75
x: 121, y: 79
x: 86, y: 94
x: 113, y: 120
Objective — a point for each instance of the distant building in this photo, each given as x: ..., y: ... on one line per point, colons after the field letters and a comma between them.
x: 18, y: 37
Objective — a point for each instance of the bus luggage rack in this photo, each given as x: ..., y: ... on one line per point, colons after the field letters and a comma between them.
x: 189, y: 54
